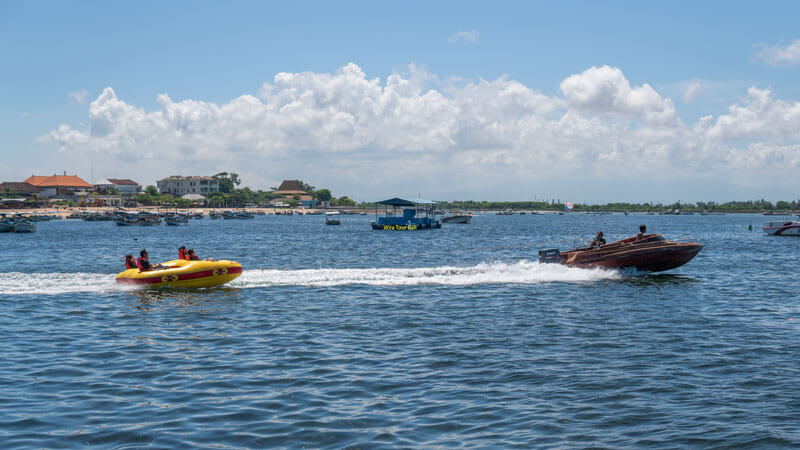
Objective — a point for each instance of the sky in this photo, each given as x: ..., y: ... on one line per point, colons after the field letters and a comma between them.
x: 588, y: 102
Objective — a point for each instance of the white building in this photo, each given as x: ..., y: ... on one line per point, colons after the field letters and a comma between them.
x: 179, y: 186
x: 122, y: 185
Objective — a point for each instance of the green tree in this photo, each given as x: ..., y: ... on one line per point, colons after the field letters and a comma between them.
x: 227, y: 181
x: 151, y: 190
x: 345, y: 201
x: 324, y: 195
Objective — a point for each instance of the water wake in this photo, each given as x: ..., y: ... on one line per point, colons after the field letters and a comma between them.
x: 522, y: 272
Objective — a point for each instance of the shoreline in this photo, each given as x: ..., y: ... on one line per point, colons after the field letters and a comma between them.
x: 67, y: 210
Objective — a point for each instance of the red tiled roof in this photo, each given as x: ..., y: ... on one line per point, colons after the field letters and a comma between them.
x: 57, y: 181
x: 123, y: 181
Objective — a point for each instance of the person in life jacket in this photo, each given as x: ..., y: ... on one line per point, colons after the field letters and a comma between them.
x: 182, y: 254
x: 130, y: 263
x: 143, y: 262
x: 190, y: 255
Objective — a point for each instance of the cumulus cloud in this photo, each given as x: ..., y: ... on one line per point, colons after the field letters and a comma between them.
x: 411, y: 126
x: 79, y: 96
x: 779, y: 55
x: 464, y: 36
x: 605, y: 90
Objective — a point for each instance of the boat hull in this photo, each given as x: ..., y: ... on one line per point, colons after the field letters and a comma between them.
x: 650, y: 255
x: 184, y: 274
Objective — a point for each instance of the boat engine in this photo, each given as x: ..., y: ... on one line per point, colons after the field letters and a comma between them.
x: 549, y: 255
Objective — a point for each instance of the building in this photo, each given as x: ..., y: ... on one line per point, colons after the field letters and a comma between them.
x: 16, y: 188
x: 60, y: 185
x: 179, y: 186
x: 289, y: 188
x: 123, y: 186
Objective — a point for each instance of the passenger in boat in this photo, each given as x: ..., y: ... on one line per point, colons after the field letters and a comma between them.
x: 191, y: 255
x: 599, y: 240
x: 142, y: 262
x: 130, y: 263
x: 642, y: 231
x: 182, y: 252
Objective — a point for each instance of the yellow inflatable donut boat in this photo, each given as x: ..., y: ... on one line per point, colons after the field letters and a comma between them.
x: 181, y: 273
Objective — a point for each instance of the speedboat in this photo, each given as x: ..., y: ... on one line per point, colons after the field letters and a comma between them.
x: 650, y: 253
x: 181, y: 273
x: 782, y: 228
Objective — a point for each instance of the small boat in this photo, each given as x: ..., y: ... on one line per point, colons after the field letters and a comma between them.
x: 456, y: 217
x: 507, y: 212
x: 176, y: 219
x: 214, y: 215
x: 126, y: 221
x: 650, y: 253
x: 332, y: 218
x: 24, y: 226
x: 181, y: 273
x: 782, y: 228
x: 6, y: 226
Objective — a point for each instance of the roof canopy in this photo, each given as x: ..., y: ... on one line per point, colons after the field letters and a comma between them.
x: 406, y: 202
x: 57, y: 181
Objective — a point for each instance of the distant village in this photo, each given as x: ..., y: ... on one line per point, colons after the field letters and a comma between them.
x: 174, y: 191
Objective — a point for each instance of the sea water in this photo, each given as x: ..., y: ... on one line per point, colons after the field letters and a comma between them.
x: 339, y: 336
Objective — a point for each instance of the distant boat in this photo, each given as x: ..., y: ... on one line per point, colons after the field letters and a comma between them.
x: 24, y: 226
x: 508, y: 212
x: 332, y: 218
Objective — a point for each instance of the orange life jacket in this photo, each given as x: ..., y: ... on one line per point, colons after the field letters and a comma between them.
x: 182, y: 254
x: 130, y: 264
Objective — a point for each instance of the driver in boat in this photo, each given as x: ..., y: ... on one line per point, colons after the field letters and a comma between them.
x: 599, y: 240
x: 642, y: 231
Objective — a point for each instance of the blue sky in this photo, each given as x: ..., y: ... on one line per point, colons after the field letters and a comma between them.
x: 486, y: 111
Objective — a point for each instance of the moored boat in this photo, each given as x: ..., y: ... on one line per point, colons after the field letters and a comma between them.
x: 417, y: 214
x: 181, y: 273
x: 457, y: 218
x: 650, y: 253
x: 24, y: 226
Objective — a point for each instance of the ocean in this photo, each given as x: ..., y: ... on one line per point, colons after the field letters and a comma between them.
x: 341, y: 336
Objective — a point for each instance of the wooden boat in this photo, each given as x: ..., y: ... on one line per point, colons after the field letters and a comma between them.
x: 651, y: 253
x: 24, y: 226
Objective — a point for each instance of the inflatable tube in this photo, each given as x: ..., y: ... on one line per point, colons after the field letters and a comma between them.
x: 183, y: 274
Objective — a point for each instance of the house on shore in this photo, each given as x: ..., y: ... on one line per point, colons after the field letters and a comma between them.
x: 60, y: 186
x: 123, y: 186
x: 289, y: 188
x: 179, y: 185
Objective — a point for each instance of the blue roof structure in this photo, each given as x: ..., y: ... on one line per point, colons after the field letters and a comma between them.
x: 406, y: 202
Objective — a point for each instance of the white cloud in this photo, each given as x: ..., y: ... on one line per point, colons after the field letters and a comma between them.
x: 778, y: 55
x: 692, y: 89
x: 369, y: 137
x: 605, y: 90
x: 79, y: 96
x: 464, y: 36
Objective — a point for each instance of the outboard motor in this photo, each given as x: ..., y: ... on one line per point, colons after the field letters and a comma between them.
x: 549, y: 255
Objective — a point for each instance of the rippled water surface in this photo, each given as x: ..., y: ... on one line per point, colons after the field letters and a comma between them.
x: 344, y: 336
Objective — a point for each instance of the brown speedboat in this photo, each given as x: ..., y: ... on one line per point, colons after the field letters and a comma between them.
x: 650, y: 253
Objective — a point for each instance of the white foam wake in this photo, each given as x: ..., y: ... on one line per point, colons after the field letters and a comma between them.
x: 523, y: 272
x: 55, y: 283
